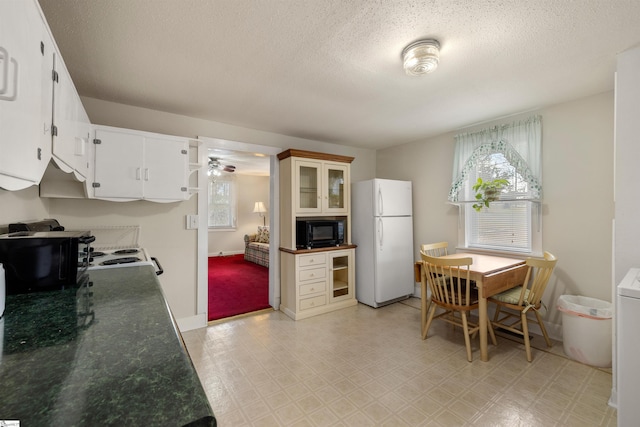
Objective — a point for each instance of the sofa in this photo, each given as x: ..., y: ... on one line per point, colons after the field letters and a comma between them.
x: 256, y: 247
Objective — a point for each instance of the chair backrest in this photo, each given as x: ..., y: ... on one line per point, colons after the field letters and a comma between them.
x: 449, y: 279
x: 537, y: 278
x: 435, y: 249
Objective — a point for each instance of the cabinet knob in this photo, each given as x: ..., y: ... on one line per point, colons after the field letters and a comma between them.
x: 311, y: 275
x: 313, y: 289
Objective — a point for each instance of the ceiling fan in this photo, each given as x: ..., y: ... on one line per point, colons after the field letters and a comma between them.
x: 216, y: 165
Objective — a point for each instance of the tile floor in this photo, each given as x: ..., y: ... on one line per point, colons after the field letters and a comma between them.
x: 368, y: 367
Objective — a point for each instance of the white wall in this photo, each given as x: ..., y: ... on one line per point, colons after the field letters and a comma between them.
x: 22, y: 206
x: 251, y: 189
x: 577, y: 162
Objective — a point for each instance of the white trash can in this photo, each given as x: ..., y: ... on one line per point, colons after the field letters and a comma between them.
x: 586, y: 329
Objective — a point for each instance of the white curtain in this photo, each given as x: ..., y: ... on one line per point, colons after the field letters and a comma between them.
x: 520, y: 142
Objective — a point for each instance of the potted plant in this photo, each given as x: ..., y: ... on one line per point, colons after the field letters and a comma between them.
x: 487, y: 192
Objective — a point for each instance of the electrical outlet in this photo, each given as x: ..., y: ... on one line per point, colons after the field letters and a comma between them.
x: 192, y: 222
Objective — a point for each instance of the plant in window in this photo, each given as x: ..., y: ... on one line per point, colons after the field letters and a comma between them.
x: 488, y: 191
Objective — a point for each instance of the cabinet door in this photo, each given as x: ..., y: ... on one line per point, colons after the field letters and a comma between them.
x: 118, y: 165
x: 341, y: 275
x: 308, y: 186
x: 336, y: 194
x: 26, y: 62
x: 166, y: 169
x: 71, y: 142
x: 133, y: 165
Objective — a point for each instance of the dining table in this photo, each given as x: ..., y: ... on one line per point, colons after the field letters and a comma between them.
x: 492, y: 275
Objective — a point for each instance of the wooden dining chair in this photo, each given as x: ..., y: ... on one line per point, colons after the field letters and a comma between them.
x: 448, y: 280
x: 434, y: 249
x: 514, y: 305
x: 431, y: 249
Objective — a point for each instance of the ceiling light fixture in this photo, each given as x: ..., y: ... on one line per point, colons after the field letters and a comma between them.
x: 421, y: 57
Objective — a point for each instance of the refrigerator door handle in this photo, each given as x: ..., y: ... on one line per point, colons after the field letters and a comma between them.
x: 380, y: 233
x: 380, y: 204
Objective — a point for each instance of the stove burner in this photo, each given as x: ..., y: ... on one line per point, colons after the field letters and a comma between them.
x: 123, y: 260
x: 126, y: 251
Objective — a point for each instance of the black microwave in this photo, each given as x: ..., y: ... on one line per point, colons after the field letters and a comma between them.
x: 43, y: 260
x: 319, y: 233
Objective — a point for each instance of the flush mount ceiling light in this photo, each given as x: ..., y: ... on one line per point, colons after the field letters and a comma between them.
x: 421, y: 57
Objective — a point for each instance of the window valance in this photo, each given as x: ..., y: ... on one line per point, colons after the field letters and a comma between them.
x: 519, y: 142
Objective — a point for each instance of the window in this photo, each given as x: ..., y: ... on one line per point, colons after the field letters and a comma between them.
x: 222, y: 202
x: 513, y: 223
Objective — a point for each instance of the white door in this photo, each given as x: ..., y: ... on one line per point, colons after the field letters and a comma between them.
x: 392, y: 198
x: 70, y: 145
x: 26, y: 62
x: 118, y: 165
x: 165, y: 169
x: 394, y: 258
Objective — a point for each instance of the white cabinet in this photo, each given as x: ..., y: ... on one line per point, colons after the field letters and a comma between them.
x: 26, y: 63
x: 316, y: 282
x: 341, y: 275
x: 312, y: 185
x: 72, y: 128
x: 133, y: 165
x: 319, y: 187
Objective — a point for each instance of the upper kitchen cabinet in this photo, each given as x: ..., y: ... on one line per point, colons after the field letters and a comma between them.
x: 26, y: 64
x: 71, y: 125
x: 319, y: 183
x: 135, y: 165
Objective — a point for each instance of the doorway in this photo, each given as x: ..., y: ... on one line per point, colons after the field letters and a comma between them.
x: 230, y: 152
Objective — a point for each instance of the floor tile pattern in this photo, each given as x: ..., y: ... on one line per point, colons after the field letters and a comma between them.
x: 368, y: 367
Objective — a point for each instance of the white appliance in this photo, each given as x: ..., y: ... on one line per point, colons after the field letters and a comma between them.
x: 117, y: 246
x: 382, y: 227
x: 628, y: 349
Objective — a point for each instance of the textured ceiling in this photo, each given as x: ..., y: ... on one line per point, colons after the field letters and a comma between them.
x: 330, y: 70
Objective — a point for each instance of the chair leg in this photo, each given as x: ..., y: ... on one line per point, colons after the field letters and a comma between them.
x: 497, y: 313
x: 542, y: 328
x: 525, y: 330
x: 493, y: 335
x: 467, y: 341
x: 432, y: 311
x: 425, y: 308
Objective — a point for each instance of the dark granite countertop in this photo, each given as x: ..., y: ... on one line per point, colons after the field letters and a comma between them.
x: 106, y: 354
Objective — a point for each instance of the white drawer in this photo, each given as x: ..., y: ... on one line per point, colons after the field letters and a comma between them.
x: 313, y: 302
x: 312, y: 259
x: 312, y: 288
x: 312, y: 274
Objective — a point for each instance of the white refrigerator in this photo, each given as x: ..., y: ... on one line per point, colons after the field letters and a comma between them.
x: 382, y: 227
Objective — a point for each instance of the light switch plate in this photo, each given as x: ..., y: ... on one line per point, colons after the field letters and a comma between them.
x: 192, y: 222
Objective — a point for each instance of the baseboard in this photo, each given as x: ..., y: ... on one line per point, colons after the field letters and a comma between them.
x: 226, y: 253
x: 194, y: 322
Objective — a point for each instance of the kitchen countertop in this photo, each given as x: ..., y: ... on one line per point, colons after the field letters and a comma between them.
x: 106, y: 354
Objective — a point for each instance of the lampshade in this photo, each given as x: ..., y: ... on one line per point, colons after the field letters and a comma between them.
x: 421, y: 57
x: 259, y: 208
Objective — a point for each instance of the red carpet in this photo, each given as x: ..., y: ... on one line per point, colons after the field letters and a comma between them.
x: 236, y: 286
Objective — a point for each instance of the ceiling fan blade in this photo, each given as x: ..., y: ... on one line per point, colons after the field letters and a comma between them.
x: 214, y: 163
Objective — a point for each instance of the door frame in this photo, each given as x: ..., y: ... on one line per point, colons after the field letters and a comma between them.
x: 203, y: 228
